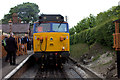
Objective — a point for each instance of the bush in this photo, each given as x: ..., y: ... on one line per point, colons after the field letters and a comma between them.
x: 101, y: 34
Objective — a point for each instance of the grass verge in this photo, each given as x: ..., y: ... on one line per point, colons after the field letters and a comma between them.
x: 77, y: 50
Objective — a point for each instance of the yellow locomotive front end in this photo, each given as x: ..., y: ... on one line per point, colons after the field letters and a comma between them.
x: 51, y: 40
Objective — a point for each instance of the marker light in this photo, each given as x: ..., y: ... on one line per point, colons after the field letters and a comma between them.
x: 61, y: 38
x: 38, y: 38
x: 56, y: 64
x: 55, y: 53
x: 46, y: 37
x: 63, y: 48
x: 41, y: 39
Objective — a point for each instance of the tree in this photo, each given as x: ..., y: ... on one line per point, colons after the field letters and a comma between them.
x: 82, y: 25
x: 72, y: 31
x: 85, y: 23
x: 7, y: 17
x: 91, y: 21
x: 26, y: 11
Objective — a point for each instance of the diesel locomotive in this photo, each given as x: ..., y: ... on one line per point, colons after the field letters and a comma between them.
x: 51, y: 39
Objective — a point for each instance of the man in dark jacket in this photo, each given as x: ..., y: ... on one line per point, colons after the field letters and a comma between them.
x: 11, y: 49
x: 26, y: 40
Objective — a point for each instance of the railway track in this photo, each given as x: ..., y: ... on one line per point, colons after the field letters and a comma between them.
x: 70, y: 70
x: 88, y: 72
x: 51, y: 73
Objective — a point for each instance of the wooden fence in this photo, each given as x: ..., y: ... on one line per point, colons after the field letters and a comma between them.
x: 22, y: 49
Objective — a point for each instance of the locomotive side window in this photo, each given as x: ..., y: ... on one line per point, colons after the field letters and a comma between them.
x: 43, y: 27
x: 59, y: 27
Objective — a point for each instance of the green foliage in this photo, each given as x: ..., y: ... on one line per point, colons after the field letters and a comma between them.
x: 78, y: 50
x: 113, y: 12
x: 101, y: 34
x: 26, y: 11
x: 7, y: 17
x: 91, y: 21
x: 97, y: 29
x: 85, y: 23
x: 72, y: 31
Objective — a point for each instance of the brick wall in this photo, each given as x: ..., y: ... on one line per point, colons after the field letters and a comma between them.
x: 15, y: 18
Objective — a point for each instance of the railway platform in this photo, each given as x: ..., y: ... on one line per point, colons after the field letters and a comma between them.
x: 6, y: 68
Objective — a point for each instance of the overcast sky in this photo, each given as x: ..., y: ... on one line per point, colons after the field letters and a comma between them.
x: 76, y: 10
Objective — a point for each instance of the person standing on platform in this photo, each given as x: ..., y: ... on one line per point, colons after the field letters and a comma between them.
x: 11, y: 49
x: 4, y: 44
x: 26, y: 40
x: 22, y: 40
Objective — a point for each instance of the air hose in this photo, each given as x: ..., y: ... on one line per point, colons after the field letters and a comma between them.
x: 45, y: 45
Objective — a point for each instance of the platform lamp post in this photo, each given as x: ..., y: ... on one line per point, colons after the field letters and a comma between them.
x: 10, y: 24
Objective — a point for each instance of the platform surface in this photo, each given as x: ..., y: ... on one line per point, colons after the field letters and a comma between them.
x: 6, y: 68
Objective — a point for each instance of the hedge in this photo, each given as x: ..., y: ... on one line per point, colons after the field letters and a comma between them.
x: 101, y: 34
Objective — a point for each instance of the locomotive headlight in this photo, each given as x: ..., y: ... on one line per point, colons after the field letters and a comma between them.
x: 63, y: 48
x: 51, y: 38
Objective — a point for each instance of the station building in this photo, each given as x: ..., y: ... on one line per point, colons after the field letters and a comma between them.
x: 17, y: 27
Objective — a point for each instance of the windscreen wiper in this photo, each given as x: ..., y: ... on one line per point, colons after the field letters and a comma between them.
x: 60, y: 24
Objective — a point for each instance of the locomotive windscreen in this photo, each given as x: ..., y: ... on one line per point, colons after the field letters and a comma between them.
x: 58, y: 27
x: 43, y: 27
x: 51, y: 27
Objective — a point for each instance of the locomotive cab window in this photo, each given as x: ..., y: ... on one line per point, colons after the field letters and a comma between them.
x: 59, y: 27
x: 43, y: 27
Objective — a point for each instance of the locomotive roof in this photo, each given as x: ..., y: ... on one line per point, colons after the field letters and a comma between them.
x: 51, y: 17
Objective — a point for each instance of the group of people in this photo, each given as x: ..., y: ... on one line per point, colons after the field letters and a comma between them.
x: 24, y: 40
x: 10, y: 46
